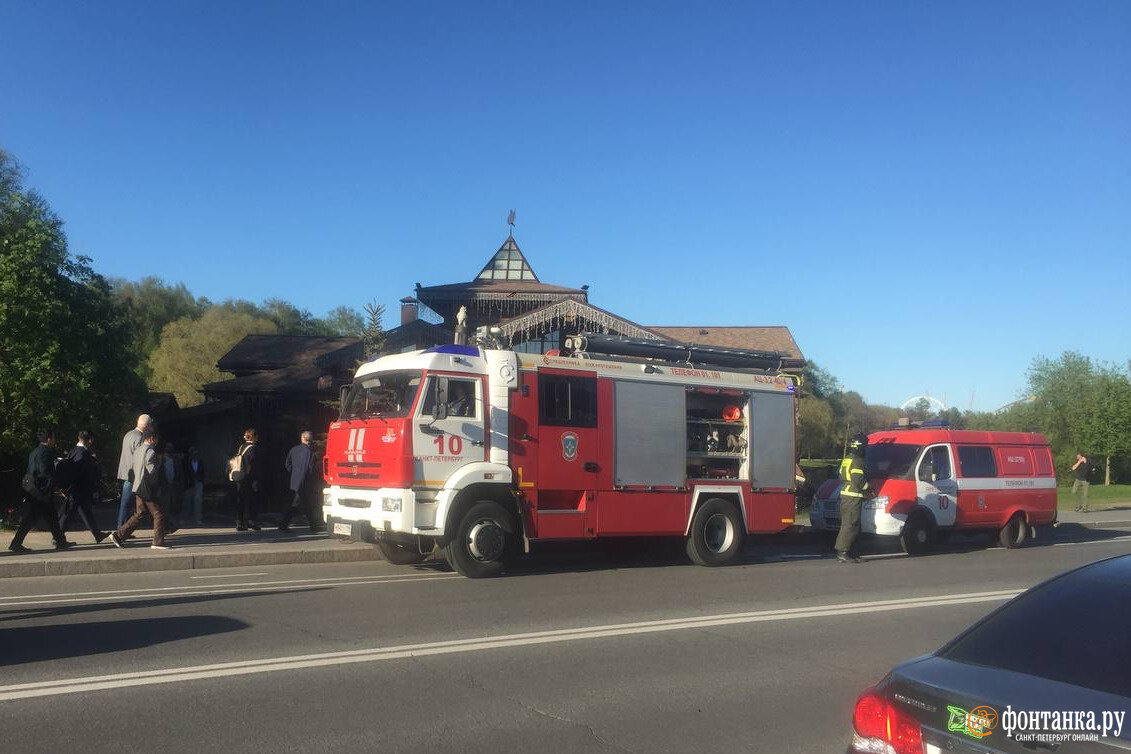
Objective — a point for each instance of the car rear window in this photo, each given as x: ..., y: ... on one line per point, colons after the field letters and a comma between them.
x: 1076, y: 629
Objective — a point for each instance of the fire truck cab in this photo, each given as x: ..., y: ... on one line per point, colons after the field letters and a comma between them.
x: 484, y: 451
x: 928, y: 481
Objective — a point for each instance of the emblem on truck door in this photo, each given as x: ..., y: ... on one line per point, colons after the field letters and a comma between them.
x: 569, y: 446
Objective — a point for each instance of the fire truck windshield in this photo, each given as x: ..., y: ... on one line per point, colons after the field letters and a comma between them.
x: 889, y: 460
x: 389, y: 394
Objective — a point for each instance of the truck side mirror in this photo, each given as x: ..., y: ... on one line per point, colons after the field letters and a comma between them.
x: 440, y: 401
x: 345, y: 390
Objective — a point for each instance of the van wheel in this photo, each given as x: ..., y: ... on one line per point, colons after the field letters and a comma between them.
x: 399, y: 554
x: 917, y: 534
x: 482, y: 542
x: 1014, y: 533
x: 717, y: 535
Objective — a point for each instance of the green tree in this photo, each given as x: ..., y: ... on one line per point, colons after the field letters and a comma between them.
x: 816, y: 430
x: 185, y: 360
x: 152, y: 304
x: 64, y: 339
x: 345, y: 321
x: 374, y: 333
x: 1106, y: 426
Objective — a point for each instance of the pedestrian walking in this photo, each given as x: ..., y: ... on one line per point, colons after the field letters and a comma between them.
x: 39, y: 489
x: 193, y: 474
x: 1080, y: 482
x: 85, y: 476
x: 853, y: 489
x: 246, y: 470
x: 130, y: 444
x: 172, y: 483
x: 302, y: 466
x: 147, y: 476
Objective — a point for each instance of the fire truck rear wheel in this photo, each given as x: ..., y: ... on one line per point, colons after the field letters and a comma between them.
x: 717, y: 534
x: 1014, y: 533
x: 398, y: 554
x: 482, y: 541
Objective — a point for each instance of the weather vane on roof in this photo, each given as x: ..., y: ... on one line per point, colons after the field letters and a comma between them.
x: 510, y: 220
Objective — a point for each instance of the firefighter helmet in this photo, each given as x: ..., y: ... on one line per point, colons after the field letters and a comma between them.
x: 857, y: 443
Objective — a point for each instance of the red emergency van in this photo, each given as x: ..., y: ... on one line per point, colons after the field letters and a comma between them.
x: 928, y: 481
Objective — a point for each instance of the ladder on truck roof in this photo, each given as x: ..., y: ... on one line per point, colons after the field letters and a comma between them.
x: 683, y: 353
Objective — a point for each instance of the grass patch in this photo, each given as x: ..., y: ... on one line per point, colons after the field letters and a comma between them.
x: 1098, y: 495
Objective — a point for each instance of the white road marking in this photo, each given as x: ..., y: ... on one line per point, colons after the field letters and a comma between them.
x: 378, y: 654
x: 1093, y: 541
x: 207, y: 589
x: 231, y: 575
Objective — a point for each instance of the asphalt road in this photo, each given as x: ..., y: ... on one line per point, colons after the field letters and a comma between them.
x: 581, y: 650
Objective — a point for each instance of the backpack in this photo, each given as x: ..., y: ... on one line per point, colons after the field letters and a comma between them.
x: 236, y: 471
x: 66, y: 473
x: 30, y: 485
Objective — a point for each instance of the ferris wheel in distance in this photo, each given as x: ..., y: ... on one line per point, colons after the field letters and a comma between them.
x: 934, y: 403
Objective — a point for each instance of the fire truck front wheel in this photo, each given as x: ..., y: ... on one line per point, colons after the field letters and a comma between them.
x: 482, y: 542
x: 918, y: 533
x: 717, y: 535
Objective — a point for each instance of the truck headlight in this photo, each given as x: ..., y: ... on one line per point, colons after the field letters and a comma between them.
x: 876, y: 503
x: 391, y: 504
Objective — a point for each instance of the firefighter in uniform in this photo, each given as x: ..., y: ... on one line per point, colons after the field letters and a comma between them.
x: 853, y: 489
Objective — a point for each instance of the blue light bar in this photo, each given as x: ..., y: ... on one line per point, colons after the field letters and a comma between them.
x: 454, y: 350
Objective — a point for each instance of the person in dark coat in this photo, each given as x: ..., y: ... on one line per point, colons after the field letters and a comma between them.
x: 302, y: 466
x: 84, y: 486
x: 193, y: 474
x: 39, y: 493
x: 250, y: 482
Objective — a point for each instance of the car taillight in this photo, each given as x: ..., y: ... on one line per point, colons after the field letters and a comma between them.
x: 880, y: 728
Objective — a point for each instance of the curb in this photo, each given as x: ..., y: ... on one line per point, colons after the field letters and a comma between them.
x: 175, y: 561
x: 1094, y: 524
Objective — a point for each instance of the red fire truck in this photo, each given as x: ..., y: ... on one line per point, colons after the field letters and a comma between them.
x: 930, y: 480
x: 484, y: 451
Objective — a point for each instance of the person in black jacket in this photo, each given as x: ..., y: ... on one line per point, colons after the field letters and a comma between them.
x: 193, y: 474
x: 302, y: 465
x: 84, y: 486
x: 250, y: 483
x: 38, y: 494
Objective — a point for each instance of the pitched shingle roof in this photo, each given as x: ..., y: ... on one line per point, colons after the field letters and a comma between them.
x: 260, y: 352
x: 776, y: 338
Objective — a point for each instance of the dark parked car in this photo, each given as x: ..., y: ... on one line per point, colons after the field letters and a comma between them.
x: 1048, y: 671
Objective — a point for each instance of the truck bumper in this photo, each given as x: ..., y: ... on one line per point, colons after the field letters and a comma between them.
x: 386, y: 513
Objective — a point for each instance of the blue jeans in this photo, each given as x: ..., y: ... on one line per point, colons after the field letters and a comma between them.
x: 125, y: 510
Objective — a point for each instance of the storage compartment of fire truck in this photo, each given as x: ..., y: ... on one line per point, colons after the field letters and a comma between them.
x: 718, y: 434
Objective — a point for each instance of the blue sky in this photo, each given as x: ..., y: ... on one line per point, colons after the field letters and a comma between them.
x: 928, y: 194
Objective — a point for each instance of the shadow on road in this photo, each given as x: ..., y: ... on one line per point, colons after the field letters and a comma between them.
x: 59, y: 641
x: 110, y: 602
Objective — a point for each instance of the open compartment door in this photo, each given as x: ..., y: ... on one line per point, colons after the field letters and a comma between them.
x: 771, y: 440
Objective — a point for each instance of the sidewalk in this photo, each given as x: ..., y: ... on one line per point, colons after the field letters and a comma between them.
x: 192, y: 548
x: 1119, y: 514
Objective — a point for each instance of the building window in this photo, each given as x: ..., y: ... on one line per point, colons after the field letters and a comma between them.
x: 541, y: 344
x: 567, y: 401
